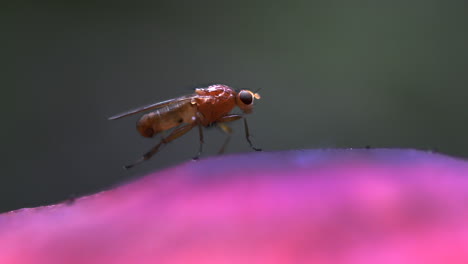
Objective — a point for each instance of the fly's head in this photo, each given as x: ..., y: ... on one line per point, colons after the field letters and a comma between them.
x: 245, y: 100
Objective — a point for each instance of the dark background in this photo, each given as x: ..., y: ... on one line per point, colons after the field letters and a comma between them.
x: 333, y: 74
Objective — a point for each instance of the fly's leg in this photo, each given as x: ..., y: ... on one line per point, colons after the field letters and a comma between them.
x: 228, y: 130
x: 247, y: 136
x: 230, y: 118
x: 178, y: 132
x: 200, y: 148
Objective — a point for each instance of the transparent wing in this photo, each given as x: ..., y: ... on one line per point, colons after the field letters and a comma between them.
x: 182, y: 99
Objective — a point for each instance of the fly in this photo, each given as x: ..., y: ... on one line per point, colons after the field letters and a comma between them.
x: 206, y: 107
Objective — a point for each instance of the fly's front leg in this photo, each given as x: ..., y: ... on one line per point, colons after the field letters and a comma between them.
x: 247, y: 136
x: 230, y: 118
x: 176, y: 133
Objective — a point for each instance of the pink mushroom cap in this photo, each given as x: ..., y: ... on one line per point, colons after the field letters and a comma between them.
x: 310, y: 206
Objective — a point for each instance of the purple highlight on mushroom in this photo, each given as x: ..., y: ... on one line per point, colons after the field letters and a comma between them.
x: 311, y: 206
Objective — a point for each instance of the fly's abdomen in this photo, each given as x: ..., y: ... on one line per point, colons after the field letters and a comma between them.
x: 165, y: 118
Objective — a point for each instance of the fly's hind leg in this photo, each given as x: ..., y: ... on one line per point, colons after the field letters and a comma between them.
x: 178, y: 132
x: 230, y: 118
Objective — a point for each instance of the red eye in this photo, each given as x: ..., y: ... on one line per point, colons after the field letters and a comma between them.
x: 246, y: 97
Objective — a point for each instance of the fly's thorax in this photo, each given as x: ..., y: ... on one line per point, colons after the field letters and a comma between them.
x: 212, y: 108
x: 166, y: 118
x: 216, y: 90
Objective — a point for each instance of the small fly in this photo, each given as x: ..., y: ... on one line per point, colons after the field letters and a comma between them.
x: 206, y: 107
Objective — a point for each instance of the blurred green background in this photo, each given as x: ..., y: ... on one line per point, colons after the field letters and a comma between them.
x: 333, y: 74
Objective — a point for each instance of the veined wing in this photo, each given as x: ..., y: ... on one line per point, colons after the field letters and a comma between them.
x: 182, y: 99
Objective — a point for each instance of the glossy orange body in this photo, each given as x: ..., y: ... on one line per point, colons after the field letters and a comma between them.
x: 207, y: 106
x: 214, y: 102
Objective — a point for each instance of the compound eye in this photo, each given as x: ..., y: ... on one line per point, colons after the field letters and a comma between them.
x: 246, y: 97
